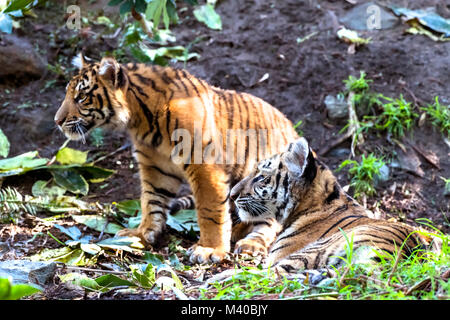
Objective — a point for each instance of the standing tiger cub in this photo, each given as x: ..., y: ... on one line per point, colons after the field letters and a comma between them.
x: 303, y: 195
x: 156, y: 105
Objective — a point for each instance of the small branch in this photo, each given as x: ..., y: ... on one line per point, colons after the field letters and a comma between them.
x: 95, y: 270
x: 125, y: 146
x: 352, y: 130
x: 144, y: 23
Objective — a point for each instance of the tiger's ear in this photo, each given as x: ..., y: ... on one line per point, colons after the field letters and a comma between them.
x: 111, y: 72
x: 297, y: 157
x: 79, y: 61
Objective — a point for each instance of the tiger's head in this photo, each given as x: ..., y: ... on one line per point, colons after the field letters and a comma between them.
x: 95, y: 97
x: 276, y: 184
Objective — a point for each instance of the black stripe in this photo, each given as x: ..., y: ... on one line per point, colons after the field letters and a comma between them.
x: 100, y: 100
x: 190, y: 81
x: 357, y: 217
x: 157, y: 137
x: 121, y: 78
x: 210, y: 219
x: 177, y: 76
x: 157, y: 203
x: 147, y: 113
x: 280, y: 247
x: 168, y: 80
x: 149, y: 82
x: 110, y: 108
x: 139, y: 89
x: 161, y: 191
x: 168, y: 123
x: 162, y: 171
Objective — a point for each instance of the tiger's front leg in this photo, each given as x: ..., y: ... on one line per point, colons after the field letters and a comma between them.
x: 158, y: 187
x: 258, y: 238
x: 210, y: 188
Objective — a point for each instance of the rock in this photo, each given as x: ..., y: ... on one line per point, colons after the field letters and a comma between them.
x: 409, y: 162
x: 26, y: 271
x: 369, y: 16
x: 336, y: 107
x: 19, y: 60
x: 341, y: 152
x: 382, y: 176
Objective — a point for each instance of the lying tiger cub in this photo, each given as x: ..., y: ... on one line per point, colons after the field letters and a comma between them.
x: 303, y: 195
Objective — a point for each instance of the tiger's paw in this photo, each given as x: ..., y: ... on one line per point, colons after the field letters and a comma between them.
x: 148, y: 237
x: 200, y: 254
x: 250, y: 247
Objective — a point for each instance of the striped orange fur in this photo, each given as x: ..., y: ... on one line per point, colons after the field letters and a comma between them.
x: 318, y: 218
x: 153, y: 102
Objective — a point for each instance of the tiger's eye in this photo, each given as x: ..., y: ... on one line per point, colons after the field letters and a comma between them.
x: 258, y: 178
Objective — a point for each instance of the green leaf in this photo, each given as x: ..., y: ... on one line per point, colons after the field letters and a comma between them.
x: 144, y: 274
x: 21, y: 163
x: 95, y: 174
x: 140, y: 5
x: 40, y: 189
x: 71, y: 156
x: 114, y: 2
x: 129, y: 207
x: 4, y: 145
x: 121, y: 243
x: 208, y: 16
x: 69, y: 256
x: 153, y: 258
x: 73, y: 232
x: 97, y: 223
x: 9, y: 291
x: 184, y: 221
x: 154, y: 11
x: 17, y: 5
x: 71, y: 180
x: 125, y: 7
x: 177, y: 53
x: 111, y: 281
x: 82, y: 281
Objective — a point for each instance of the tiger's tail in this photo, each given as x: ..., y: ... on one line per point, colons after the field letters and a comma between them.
x: 182, y: 203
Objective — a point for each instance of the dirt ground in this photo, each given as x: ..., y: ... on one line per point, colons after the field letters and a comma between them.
x: 258, y: 37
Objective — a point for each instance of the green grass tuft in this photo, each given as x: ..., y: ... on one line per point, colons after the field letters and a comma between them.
x: 363, y: 174
x: 440, y: 116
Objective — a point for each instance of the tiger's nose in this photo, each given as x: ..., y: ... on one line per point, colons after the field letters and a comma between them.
x: 59, y: 121
x: 234, y: 195
x: 235, y: 192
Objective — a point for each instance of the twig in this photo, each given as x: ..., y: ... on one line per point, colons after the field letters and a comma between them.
x: 95, y: 270
x: 125, y: 146
x: 341, y: 280
x: 352, y: 130
x: 419, y: 285
x: 432, y: 162
x: 316, y: 295
x: 141, y: 19
x: 379, y: 282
